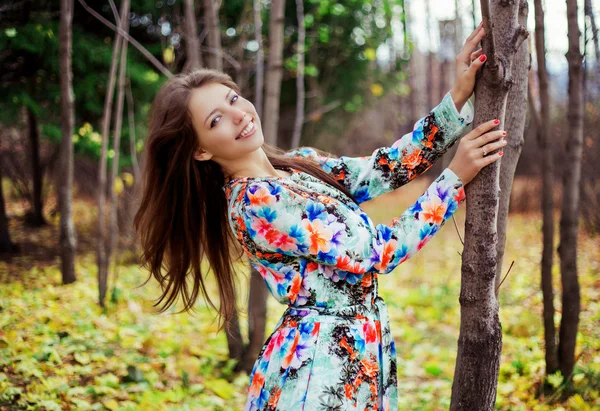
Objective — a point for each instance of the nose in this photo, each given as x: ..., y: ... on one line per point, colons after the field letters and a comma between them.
x: 239, y: 116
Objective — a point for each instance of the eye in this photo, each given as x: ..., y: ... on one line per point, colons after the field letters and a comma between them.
x: 212, y: 123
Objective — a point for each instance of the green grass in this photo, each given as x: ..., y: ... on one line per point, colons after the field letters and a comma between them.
x: 60, y: 350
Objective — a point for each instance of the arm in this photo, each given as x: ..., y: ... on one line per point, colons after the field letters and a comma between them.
x: 279, y: 222
x: 388, y: 168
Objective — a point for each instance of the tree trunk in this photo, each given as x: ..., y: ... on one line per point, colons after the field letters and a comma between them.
x: 567, y: 249
x: 192, y: 42
x: 260, y: 60
x: 274, y: 72
x: 211, y: 17
x: 480, y: 339
x: 590, y: 13
x: 514, y: 123
x: 257, y: 319
x: 37, y: 217
x: 545, y: 140
x: 114, y: 201
x: 299, y: 77
x: 101, y: 241
x: 6, y: 245
x: 68, y: 239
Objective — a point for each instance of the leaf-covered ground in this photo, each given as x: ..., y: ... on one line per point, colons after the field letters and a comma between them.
x: 59, y: 350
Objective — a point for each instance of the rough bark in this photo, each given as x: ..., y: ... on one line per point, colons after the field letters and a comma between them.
x: 567, y: 250
x: 192, y: 42
x: 299, y: 76
x: 514, y: 123
x: 68, y: 240
x: 480, y: 339
x: 101, y: 256
x: 37, y: 216
x: 274, y: 72
x: 545, y: 142
x: 211, y: 17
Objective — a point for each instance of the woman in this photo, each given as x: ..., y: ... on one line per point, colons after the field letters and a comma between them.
x: 212, y: 185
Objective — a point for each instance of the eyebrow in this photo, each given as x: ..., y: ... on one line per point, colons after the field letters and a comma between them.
x: 213, y: 112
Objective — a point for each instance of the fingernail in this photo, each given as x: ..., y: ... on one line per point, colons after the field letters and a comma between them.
x: 501, y: 153
x: 480, y: 23
x: 496, y: 121
x: 482, y: 57
x: 504, y: 133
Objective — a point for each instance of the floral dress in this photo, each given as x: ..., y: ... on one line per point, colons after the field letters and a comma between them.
x: 320, y: 254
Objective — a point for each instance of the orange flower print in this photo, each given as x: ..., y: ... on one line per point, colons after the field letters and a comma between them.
x: 261, y: 226
x: 387, y: 254
x: 320, y: 236
x: 349, y: 390
x: 262, y: 196
x: 412, y: 160
x: 460, y: 195
x: 274, y: 397
x: 295, y: 288
x: 287, y: 359
x: 257, y: 382
x: 369, y: 368
x: 433, y: 210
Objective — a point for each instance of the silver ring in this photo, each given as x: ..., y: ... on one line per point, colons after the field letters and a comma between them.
x: 484, y: 152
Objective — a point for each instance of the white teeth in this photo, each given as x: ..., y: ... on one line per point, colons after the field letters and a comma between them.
x: 247, y: 129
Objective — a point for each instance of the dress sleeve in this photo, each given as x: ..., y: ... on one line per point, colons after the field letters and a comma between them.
x: 388, y: 168
x: 279, y: 221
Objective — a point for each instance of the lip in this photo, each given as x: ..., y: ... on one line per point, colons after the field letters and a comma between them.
x: 251, y: 133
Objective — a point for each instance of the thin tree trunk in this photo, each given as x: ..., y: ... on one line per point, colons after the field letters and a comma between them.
x: 274, y: 72
x: 514, y: 122
x: 194, y: 57
x: 6, y: 245
x: 101, y: 256
x: 590, y: 13
x: 132, y: 141
x: 257, y: 319
x: 545, y: 140
x: 211, y: 16
x: 114, y: 201
x: 68, y: 238
x: 36, y: 170
x: 299, y: 76
x: 567, y: 249
x: 480, y: 339
x: 260, y: 59
x: 430, y: 73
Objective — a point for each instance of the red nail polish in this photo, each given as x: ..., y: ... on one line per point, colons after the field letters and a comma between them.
x: 482, y: 57
x: 501, y: 153
x: 496, y: 121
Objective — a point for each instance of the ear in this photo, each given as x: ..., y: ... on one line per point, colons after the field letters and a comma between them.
x: 202, y: 155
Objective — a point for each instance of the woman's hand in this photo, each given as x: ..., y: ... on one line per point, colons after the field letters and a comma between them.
x: 468, y: 62
x: 474, y: 150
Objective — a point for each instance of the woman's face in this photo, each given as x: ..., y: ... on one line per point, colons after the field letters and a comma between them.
x: 220, y: 117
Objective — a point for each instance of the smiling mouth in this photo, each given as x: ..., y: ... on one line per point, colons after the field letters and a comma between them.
x: 247, y: 131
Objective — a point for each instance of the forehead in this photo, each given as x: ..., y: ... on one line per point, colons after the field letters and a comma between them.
x: 206, y: 98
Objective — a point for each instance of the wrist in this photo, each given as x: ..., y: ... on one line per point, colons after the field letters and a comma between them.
x: 458, y: 99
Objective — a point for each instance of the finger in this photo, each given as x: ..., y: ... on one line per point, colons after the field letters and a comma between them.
x: 488, y: 137
x: 471, y: 43
x: 476, y: 65
x: 492, y: 157
x: 476, y: 54
x: 474, y: 33
x: 482, y: 128
x: 494, y: 146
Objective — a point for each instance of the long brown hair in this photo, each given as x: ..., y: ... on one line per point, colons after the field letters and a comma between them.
x: 182, y: 215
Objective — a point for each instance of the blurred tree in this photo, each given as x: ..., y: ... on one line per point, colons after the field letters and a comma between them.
x: 6, y: 245
x: 545, y: 141
x: 567, y: 250
x: 194, y: 57
x: 211, y: 19
x: 68, y: 240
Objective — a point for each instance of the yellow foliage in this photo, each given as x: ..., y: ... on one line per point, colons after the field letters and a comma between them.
x: 169, y: 55
x: 376, y: 89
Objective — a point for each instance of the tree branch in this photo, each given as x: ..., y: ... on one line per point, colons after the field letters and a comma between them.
x: 130, y: 39
x: 520, y: 35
